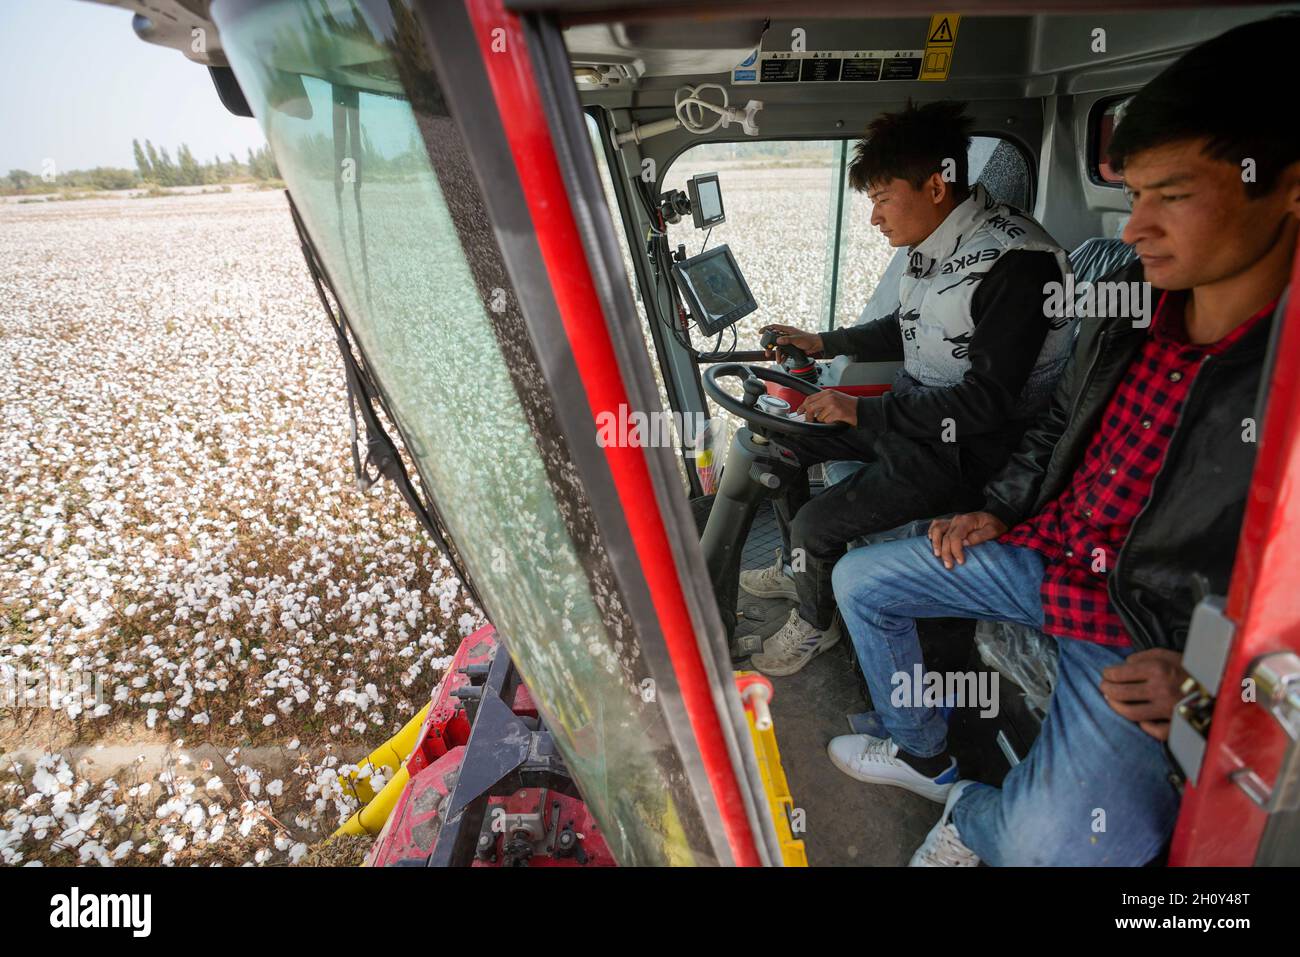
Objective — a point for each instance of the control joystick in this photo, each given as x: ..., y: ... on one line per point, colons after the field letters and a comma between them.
x: 793, y: 359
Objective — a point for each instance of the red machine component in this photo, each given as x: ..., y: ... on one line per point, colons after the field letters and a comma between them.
x: 532, y: 826
x: 412, y: 828
x: 796, y: 398
x: 540, y: 828
x: 447, y: 724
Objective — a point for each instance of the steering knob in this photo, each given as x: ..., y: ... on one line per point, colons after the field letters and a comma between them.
x: 753, y: 389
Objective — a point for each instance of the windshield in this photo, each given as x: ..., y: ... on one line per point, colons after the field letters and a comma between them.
x: 327, y: 81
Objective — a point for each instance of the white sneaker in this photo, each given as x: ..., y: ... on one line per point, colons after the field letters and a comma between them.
x: 875, y: 761
x: 794, y: 645
x: 770, y: 582
x: 942, y: 847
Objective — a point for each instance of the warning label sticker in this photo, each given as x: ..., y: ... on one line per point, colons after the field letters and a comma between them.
x: 830, y: 66
x: 940, y: 43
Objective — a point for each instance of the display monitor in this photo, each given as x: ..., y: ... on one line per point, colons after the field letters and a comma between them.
x: 706, y: 200
x: 714, y: 289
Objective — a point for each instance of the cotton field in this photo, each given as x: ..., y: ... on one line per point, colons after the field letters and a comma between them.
x: 186, y: 559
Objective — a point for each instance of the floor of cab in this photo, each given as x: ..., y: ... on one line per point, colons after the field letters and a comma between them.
x: 848, y: 822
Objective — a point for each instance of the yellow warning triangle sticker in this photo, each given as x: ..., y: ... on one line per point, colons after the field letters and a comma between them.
x: 942, y: 33
x: 941, y: 46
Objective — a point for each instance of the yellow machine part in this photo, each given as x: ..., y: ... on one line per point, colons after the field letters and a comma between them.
x: 371, y: 818
x: 777, y: 789
x: 391, y: 754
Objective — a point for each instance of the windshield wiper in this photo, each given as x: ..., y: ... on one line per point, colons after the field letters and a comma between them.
x: 382, y: 458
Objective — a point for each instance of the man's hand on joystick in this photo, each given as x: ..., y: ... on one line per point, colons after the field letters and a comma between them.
x: 791, y: 340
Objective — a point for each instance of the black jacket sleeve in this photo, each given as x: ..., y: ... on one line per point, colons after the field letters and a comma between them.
x: 1010, y: 327
x: 876, y: 341
x: 1012, y: 494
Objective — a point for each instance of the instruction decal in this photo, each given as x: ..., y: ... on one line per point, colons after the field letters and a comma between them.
x: 830, y: 66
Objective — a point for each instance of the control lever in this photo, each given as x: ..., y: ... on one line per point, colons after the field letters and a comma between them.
x: 793, y: 359
x: 754, y: 388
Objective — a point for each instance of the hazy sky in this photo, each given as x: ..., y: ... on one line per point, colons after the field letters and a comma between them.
x: 76, y: 84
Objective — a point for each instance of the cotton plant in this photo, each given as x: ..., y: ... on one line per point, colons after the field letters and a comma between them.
x: 178, y: 817
x: 179, y: 524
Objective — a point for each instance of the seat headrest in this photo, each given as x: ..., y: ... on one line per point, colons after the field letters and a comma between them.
x: 1095, y: 259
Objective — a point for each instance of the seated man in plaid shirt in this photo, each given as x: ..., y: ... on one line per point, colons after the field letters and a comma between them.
x: 1130, y: 484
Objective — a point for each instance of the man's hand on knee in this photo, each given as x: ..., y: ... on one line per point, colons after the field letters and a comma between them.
x: 950, y: 536
x: 1145, y: 688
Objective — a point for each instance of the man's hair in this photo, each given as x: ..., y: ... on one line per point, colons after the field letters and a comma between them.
x: 1234, y: 92
x: 912, y: 144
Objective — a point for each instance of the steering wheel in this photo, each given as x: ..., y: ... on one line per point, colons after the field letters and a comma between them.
x: 747, y: 408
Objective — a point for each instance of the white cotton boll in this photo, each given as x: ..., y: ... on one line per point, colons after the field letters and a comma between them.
x: 268, y: 720
x: 193, y: 817
x: 275, y: 788
x: 45, y: 782
x: 297, y: 852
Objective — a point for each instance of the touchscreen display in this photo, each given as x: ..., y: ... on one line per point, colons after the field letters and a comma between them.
x: 716, y: 286
x: 710, y: 200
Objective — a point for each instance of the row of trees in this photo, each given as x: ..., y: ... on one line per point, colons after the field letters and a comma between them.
x: 156, y: 166
x: 101, y: 177
x: 152, y: 167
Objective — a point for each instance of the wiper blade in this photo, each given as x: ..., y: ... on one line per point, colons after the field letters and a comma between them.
x: 382, y: 458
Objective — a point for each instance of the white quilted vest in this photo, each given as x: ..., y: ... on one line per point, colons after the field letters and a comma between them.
x: 940, y: 278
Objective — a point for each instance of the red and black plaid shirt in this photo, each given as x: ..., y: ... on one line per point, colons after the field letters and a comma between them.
x: 1079, y: 534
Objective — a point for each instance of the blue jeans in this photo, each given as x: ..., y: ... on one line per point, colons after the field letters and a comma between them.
x: 1094, y: 787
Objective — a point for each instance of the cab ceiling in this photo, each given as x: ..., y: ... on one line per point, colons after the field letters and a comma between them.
x: 995, y: 56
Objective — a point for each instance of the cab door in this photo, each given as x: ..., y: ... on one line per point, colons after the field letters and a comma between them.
x: 1241, y: 804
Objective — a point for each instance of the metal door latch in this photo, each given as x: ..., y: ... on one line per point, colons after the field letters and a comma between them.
x: 1277, y: 689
